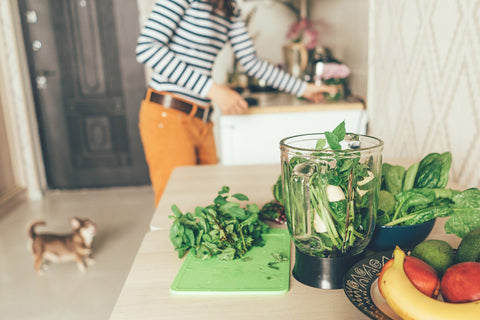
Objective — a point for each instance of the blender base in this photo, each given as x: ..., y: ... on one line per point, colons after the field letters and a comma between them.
x: 323, y: 273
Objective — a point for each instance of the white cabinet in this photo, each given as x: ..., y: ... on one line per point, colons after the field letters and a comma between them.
x: 253, y: 138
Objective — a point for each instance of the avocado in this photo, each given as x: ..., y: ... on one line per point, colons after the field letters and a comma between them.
x: 437, y: 253
x: 469, y: 248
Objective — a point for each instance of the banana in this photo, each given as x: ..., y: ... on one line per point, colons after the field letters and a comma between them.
x: 410, y: 304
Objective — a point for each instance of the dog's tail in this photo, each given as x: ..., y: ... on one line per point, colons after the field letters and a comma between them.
x: 31, y: 230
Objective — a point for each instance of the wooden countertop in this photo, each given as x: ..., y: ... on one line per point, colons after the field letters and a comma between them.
x: 278, y: 102
x: 146, y: 294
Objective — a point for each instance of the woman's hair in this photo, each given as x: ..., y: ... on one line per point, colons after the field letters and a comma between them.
x: 226, y: 7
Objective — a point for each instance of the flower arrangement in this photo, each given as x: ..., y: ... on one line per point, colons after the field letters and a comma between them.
x: 334, y: 74
x: 303, y: 31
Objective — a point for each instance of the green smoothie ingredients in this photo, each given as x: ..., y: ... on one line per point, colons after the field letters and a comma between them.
x: 418, y: 194
x: 339, y: 184
x: 224, y: 229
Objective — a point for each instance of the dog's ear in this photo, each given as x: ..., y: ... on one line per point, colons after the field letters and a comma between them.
x: 75, y: 222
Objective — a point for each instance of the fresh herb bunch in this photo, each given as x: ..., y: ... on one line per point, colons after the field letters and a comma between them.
x: 224, y: 228
x: 418, y: 194
x: 341, y: 190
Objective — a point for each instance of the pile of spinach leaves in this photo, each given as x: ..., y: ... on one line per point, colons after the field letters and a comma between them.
x: 340, y: 224
x: 418, y: 194
x: 223, y: 229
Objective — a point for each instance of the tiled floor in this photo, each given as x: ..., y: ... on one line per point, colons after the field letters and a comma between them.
x: 122, y: 216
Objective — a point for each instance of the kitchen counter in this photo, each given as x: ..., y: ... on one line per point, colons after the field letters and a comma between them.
x: 284, y: 102
x: 146, y: 294
x: 253, y: 137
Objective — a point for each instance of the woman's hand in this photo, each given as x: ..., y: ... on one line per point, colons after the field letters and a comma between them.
x: 315, y: 93
x: 229, y: 101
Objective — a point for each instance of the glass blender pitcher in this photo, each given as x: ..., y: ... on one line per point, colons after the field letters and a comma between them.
x: 331, y: 199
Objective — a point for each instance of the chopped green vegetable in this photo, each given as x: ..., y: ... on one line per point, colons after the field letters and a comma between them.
x: 224, y: 229
x: 278, y: 258
x: 273, y: 211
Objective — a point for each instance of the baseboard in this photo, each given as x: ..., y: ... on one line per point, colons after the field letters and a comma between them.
x: 12, y: 198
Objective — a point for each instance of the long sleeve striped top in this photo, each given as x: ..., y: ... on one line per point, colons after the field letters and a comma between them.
x: 181, y: 40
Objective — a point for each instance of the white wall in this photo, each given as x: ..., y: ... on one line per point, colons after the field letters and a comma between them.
x: 347, y: 36
x: 424, y: 81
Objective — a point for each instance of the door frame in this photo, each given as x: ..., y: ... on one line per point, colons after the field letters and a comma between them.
x: 18, y: 106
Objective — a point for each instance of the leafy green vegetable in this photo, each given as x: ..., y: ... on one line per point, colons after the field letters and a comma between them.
x: 278, y: 191
x: 223, y: 228
x: 409, y: 180
x: 393, y: 177
x: 469, y: 198
x: 433, y: 171
x: 466, y: 213
x: 422, y: 196
x: 420, y: 187
x: 423, y: 215
x: 272, y: 211
x: 386, y: 206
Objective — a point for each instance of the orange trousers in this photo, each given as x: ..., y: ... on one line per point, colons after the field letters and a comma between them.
x: 172, y: 138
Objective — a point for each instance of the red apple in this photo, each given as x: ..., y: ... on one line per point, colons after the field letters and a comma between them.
x: 461, y: 282
x: 422, y: 275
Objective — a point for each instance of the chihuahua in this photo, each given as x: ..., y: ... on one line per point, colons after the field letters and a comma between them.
x: 75, y: 246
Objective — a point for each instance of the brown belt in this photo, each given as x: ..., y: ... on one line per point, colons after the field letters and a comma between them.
x: 170, y: 102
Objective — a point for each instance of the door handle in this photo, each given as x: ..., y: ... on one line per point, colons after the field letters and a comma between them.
x: 41, y: 78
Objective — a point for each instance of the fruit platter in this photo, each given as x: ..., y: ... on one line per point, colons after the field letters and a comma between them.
x: 432, y: 281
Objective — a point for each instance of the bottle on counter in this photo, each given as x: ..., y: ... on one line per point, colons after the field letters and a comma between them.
x: 321, y: 56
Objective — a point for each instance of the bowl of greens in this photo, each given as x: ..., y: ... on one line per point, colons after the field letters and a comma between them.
x: 410, y: 200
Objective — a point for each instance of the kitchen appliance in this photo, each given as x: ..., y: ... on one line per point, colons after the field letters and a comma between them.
x: 331, y: 199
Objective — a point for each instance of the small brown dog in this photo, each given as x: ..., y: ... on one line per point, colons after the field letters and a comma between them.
x: 62, y: 248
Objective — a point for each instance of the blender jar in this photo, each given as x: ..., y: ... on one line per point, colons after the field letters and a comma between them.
x: 331, y: 199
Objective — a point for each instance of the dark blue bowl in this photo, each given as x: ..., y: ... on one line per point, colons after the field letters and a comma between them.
x: 406, y: 237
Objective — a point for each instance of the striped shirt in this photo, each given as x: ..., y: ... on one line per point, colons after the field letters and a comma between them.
x: 181, y: 40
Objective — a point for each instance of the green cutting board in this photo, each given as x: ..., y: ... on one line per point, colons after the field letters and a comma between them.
x: 248, y: 275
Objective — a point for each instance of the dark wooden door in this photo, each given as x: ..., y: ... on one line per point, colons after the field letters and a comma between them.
x: 87, y: 88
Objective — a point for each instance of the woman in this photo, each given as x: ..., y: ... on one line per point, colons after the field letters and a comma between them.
x: 180, y: 42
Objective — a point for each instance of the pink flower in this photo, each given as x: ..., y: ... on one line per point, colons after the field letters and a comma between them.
x: 335, y: 71
x: 303, y: 31
x: 309, y: 39
x: 294, y: 31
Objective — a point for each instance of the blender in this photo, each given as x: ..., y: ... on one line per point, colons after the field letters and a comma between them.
x: 331, y: 199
